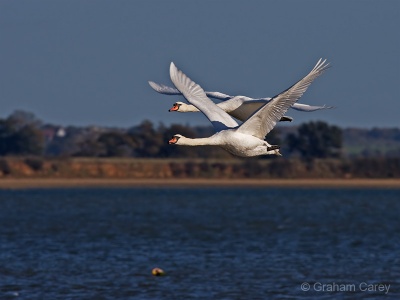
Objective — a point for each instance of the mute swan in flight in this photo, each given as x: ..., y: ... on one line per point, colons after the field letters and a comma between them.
x: 239, y: 107
x: 248, y: 138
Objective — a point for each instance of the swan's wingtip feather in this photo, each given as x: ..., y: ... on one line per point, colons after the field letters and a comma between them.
x: 172, y: 70
x: 172, y: 67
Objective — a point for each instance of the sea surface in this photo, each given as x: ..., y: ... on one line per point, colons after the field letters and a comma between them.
x: 212, y: 243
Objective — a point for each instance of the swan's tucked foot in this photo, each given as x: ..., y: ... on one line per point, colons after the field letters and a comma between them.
x: 286, y: 119
x: 273, y: 147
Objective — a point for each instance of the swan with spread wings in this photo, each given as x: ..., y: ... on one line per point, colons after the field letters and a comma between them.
x: 247, y: 139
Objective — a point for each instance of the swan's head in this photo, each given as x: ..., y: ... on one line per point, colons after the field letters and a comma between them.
x: 175, y: 139
x: 178, y: 106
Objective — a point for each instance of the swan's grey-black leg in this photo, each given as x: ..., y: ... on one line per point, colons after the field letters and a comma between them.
x: 286, y: 119
x: 273, y: 147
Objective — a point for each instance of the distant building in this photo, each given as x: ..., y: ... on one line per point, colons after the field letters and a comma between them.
x: 61, y: 132
x: 50, y: 132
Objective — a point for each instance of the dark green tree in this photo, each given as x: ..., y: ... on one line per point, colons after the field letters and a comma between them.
x: 149, y: 140
x: 89, y: 147
x: 29, y: 140
x: 20, y: 138
x: 316, y: 140
x: 118, y: 144
x: 21, y: 118
x: 7, y: 134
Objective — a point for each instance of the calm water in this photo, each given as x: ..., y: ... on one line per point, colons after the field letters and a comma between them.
x: 213, y: 243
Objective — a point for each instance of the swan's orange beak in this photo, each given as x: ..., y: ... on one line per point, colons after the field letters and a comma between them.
x: 173, y: 141
x: 174, y: 108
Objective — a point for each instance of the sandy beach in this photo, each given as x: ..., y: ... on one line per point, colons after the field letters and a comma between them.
x: 27, y: 183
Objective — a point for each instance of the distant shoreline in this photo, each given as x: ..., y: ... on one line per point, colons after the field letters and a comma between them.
x: 28, y: 183
x: 35, y: 172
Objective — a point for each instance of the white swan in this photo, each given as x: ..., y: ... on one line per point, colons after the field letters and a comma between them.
x: 239, y: 107
x: 248, y: 138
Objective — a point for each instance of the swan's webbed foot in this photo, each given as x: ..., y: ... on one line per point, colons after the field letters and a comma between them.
x: 286, y: 119
x: 273, y: 147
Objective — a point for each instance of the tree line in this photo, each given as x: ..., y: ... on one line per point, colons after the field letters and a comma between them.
x: 22, y: 134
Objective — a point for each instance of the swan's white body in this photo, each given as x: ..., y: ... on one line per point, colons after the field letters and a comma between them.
x: 248, y: 138
x: 237, y: 143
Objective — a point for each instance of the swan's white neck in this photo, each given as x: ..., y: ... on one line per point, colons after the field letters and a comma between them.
x: 187, y: 108
x: 197, y: 142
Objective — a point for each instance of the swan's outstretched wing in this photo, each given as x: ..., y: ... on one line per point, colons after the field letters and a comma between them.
x: 296, y: 106
x: 164, y: 89
x: 308, y: 108
x: 263, y: 120
x: 167, y: 90
x: 218, y: 95
x: 196, y: 96
x: 249, y: 107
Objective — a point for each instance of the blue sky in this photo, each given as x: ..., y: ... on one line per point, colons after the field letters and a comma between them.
x: 88, y: 62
